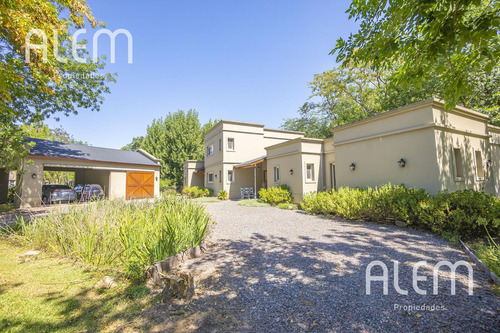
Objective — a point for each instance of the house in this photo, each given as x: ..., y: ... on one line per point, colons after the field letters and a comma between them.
x: 420, y: 145
x: 122, y: 174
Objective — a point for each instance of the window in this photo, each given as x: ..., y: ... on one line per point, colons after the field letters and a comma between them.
x: 210, y: 178
x: 230, y: 144
x: 459, y: 166
x: 220, y: 144
x: 220, y: 176
x: 309, y: 172
x: 479, y: 165
x: 210, y: 150
x: 276, y: 174
x: 230, y: 176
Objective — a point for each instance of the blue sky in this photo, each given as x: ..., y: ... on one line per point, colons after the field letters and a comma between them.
x: 228, y: 59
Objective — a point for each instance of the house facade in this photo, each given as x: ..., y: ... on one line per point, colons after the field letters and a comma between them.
x: 421, y: 145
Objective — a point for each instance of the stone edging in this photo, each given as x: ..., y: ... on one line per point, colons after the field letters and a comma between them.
x: 158, y: 270
x: 478, y: 262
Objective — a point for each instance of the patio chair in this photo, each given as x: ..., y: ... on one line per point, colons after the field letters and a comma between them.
x: 247, y: 193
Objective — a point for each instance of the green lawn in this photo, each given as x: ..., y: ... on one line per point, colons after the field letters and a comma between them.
x: 253, y: 203
x: 207, y: 199
x: 49, y: 294
x: 5, y: 208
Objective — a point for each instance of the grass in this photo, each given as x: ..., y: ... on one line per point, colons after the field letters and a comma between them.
x: 50, y: 294
x: 289, y: 206
x: 206, y: 199
x: 5, y: 208
x: 489, y: 253
x: 125, y: 236
x: 253, y: 203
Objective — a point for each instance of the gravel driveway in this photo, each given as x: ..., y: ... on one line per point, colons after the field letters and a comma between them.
x: 284, y: 271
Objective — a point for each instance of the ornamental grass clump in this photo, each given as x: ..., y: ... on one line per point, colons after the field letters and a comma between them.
x: 128, y: 236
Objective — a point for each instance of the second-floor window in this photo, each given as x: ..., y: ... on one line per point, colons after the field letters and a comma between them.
x: 210, y: 150
x: 310, y: 172
x: 220, y: 144
x: 230, y: 144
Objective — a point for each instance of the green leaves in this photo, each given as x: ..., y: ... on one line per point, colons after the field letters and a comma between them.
x: 421, y: 40
x: 176, y: 138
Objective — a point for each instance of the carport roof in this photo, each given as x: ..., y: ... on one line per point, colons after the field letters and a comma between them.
x: 54, y: 149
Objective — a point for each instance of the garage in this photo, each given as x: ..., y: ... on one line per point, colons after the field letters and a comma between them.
x: 121, y: 174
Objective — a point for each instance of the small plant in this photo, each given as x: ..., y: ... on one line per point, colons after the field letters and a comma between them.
x: 276, y: 195
x: 197, y: 192
x: 223, y: 195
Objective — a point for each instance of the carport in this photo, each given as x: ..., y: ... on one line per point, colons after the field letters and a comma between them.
x: 122, y: 174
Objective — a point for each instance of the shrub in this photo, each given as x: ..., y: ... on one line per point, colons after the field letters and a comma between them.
x: 197, y: 192
x: 128, y: 236
x: 223, y: 195
x: 276, y: 195
x: 166, y: 184
x: 465, y: 213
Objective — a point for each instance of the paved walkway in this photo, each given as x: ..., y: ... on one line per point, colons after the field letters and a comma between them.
x: 283, y: 271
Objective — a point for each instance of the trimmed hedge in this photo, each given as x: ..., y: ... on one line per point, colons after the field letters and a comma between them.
x: 276, y: 195
x: 464, y: 213
x: 197, y: 192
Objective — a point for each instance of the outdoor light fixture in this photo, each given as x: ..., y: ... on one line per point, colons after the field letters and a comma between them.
x: 402, y: 163
x: 489, y: 163
x: 352, y: 166
x: 156, y: 178
x: 291, y: 171
x: 33, y: 176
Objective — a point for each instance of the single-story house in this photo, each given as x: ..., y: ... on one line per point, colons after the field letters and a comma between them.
x: 122, y: 174
x: 421, y: 145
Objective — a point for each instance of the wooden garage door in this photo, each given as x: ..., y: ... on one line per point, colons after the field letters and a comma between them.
x: 140, y: 184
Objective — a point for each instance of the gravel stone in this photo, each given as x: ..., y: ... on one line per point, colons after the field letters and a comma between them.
x: 284, y: 271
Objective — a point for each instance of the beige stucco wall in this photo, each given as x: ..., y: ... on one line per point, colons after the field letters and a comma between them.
x: 191, y: 177
x: 424, y: 134
x: 108, y: 175
x: 376, y: 161
x: 117, y: 185
x: 493, y: 172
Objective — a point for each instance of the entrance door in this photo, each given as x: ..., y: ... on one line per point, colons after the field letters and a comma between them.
x: 140, y: 184
x: 332, y: 176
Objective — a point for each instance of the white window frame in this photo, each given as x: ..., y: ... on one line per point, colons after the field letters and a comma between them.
x: 208, y: 178
x: 232, y: 176
x: 276, y: 172
x: 210, y: 150
x: 478, y: 177
x: 228, y: 140
x: 312, y: 179
x: 455, y: 165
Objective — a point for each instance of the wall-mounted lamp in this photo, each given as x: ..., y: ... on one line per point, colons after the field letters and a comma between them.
x: 215, y: 176
x: 156, y: 178
x: 352, y: 166
x: 402, y: 163
x: 489, y: 163
x: 33, y: 175
x: 291, y: 171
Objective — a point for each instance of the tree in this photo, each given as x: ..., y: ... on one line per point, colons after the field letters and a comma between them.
x: 420, y: 40
x: 346, y: 94
x: 176, y: 138
x: 135, y: 144
x: 33, y: 91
